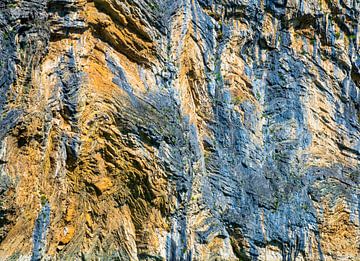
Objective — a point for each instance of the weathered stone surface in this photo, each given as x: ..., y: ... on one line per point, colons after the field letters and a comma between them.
x: 179, y: 130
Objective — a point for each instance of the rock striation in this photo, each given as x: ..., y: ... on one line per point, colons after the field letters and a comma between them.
x: 179, y: 130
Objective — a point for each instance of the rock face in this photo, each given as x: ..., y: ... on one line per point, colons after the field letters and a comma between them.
x: 179, y: 130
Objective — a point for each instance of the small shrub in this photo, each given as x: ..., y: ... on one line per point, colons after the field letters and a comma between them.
x: 154, y: 7
x: 275, y: 156
x: 218, y: 76
x: 11, y: 5
x: 214, y: 15
x: 43, y: 199
x: 305, y: 207
x: 220, y: 35
x: 282, y: 77
x: 236, y: 100
x: 258, y: 96
x: 276, y: 204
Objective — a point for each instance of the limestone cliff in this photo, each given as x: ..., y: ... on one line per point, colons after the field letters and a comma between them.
x: 179, y: 130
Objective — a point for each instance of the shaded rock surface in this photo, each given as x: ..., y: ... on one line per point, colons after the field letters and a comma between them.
x: 179, y: 130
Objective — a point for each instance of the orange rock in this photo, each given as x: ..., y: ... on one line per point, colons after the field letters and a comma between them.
x: 103, y: 184
x: 70, y: 212
x: 68, y: 235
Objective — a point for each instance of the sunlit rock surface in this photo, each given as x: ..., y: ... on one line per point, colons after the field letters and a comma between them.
x: 179, y: 130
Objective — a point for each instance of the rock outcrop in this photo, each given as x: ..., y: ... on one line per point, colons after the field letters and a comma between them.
x: 179, y: 130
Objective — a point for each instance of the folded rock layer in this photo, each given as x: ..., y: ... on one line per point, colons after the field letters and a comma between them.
x: 179, y: 130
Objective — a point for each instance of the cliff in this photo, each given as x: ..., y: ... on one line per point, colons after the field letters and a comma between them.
x: 179, y: 130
